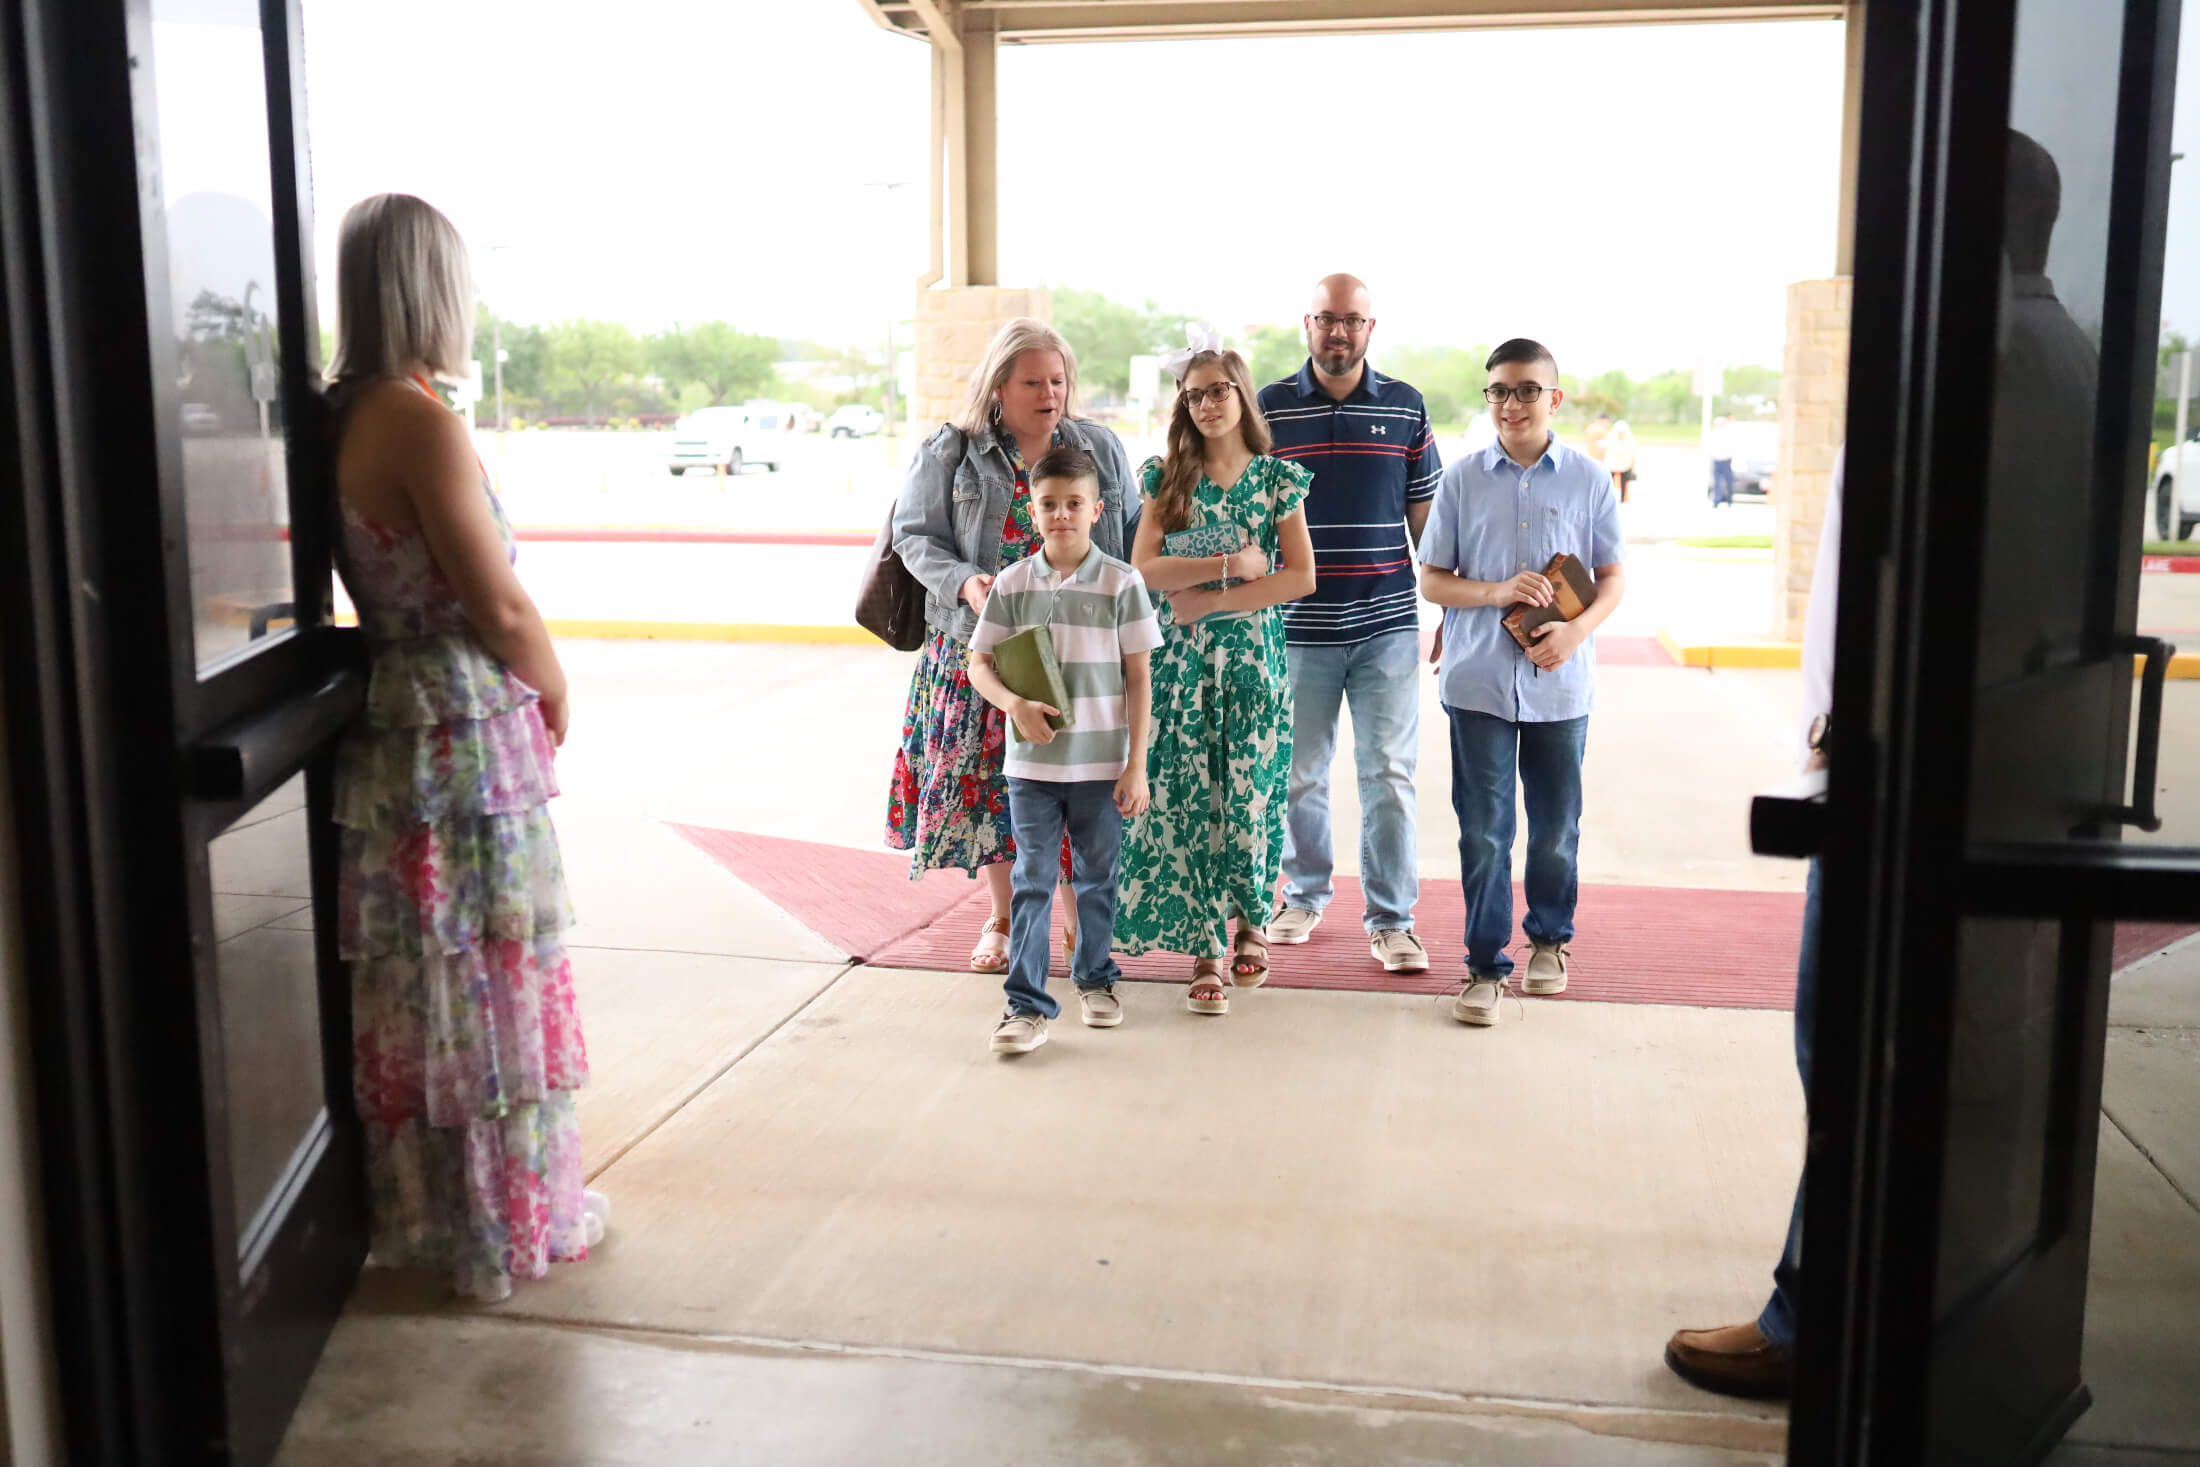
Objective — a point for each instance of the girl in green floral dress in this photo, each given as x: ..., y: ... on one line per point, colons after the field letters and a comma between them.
x: 1209, y: 848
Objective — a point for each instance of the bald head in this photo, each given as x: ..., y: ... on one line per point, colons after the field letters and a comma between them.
x: 1342, y: 295
x: 1339, y: 324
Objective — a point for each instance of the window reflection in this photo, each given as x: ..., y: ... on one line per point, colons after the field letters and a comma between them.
x: 270, y: 994
x: 213, y: 169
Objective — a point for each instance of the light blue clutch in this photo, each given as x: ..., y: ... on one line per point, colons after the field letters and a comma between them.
x: 1223, y: 537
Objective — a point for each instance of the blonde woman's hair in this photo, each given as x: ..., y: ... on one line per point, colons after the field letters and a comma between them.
x: 404, y: 292
x: 1010, y: 342
x: 1187, y: 454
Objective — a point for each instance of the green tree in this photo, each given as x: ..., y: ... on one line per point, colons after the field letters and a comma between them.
x: 1273, y: 353
x: 526, y: 359
x: 1106, y: 334
x: 1744, y: 387
x: 727, y: 363
x: 587, y: 358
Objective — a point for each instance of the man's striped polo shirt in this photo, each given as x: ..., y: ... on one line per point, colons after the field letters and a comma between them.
x: 1372, y: 454
x: 1103, y: 614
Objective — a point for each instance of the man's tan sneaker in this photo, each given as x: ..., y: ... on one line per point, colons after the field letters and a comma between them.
x: 1019, y: 1033
x: 1293, y: 925
x: 1398, y: 950
x: 1546, y: 973
x: 1477, y: 1001
x: 1102, y: 1009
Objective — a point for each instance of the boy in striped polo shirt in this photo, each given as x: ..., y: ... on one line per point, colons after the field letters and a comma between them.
x: 1087, y: 778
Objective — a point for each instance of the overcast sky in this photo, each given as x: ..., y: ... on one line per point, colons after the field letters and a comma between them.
x: 1633, y: 196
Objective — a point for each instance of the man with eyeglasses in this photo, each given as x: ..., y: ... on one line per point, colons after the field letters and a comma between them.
x: 1519, y: 716
x: 1357, y: 639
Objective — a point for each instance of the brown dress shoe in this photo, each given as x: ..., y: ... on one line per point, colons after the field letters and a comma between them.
x: 1735, y: 1360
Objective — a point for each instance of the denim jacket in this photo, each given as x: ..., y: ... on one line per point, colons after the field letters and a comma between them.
x: 947, y: 523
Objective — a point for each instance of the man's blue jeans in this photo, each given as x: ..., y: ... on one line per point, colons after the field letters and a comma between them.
x: 1722, y: 481
x: 1487, y: 754
x: 1381, y: 678
x: 1777, y: 1322
x: 1038, y: 809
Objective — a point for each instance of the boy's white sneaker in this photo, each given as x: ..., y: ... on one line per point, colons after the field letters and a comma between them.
x: 1477, y: 1001
x: 1019, y: 1033
x: 1101, y: 1008
x: 1546, y: 973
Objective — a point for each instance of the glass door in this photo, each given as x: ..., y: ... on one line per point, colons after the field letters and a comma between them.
x: 167, y: 596
x: 2012, y: 202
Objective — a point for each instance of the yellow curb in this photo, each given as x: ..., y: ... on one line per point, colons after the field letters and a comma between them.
x: 2183, y: 666
x: 1745, y: 653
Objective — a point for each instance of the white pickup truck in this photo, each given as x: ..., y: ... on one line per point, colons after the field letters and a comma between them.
x: 727, y: 439
x: 2177, y: 489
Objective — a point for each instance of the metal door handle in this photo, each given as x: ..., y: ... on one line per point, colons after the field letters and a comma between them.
x: 2140, y: 811
x: 246, y: 760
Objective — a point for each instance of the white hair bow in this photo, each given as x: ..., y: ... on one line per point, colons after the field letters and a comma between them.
x: 1203, y: 337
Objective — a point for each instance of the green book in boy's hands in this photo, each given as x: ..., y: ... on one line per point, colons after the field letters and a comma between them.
x: 1027, y: 664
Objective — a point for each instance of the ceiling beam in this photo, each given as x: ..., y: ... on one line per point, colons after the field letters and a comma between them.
x: 1033, y: 22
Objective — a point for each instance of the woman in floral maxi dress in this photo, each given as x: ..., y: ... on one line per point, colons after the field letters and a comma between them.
x: 451, y: 900
x: 1209, y: 848
x: 964, y: 512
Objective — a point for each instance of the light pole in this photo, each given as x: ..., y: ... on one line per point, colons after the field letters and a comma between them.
x: 496, y: 348
x: 886, y: 188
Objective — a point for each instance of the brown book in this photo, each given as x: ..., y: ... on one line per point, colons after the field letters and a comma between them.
x: 1576, y: 589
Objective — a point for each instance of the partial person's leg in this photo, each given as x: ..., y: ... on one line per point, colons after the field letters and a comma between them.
x: 1317, y: 691
x: 1550, y: 788
x: 1384, y: 687
x: 1756, y: 1359
x: 1484, y: 761
x: 1095, y: 840
x: 1777, y: 1322
x: 1035, y: 807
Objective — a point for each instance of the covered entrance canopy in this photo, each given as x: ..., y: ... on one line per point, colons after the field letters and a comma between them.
x: 961, y: 298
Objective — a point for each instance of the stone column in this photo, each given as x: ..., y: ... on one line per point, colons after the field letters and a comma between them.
x: 1814, y: 400
x: 954, y: 326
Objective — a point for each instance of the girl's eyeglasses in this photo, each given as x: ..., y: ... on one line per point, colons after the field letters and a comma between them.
x: 1215, y: 392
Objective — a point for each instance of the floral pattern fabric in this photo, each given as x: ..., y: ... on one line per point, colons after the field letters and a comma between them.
x: 466, y: 1040
x: 1210, y: 846
x: 948, y: 802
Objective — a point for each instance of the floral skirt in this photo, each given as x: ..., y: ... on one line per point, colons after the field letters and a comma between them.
x: 466, y: 1039
x: 949, y: 799
x: 1210, y: 846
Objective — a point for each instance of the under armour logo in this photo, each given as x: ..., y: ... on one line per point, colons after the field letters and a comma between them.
x: 1379, y: 430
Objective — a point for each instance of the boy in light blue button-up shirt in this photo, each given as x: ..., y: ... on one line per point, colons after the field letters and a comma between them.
x: 1500, y: 515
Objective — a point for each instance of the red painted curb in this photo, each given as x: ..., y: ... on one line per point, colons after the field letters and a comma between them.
x: 2177, y: 564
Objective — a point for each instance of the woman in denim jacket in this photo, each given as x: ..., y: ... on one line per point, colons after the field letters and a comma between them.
x: 964, y: 512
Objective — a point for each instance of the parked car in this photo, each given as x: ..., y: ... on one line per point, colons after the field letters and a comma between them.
x: 854, y: 421
x: 727, y: 438
x: 2177, y: 489
x: 1756, y: 449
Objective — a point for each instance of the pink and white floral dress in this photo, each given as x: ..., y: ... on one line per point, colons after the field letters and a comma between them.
x: 466, y: 1045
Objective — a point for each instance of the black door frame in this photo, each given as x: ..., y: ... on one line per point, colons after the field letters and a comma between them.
x: 1898, y: 872
x: 125, y: 761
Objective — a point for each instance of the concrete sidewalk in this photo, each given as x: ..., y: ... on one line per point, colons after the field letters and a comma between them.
x: 1330, y: 1228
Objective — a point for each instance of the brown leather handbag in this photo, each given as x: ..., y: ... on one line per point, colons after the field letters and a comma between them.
x: 890, y: 601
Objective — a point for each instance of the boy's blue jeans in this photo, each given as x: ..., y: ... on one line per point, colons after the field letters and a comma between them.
x: 1038, y: 809
x: 1487, y: 755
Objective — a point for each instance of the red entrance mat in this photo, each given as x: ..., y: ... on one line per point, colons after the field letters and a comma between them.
x: 1689, y: 946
